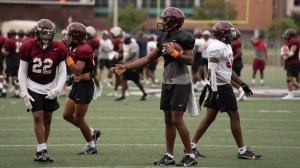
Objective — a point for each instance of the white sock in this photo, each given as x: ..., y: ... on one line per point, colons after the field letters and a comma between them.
x: 261, y: 81
x: 169, y: 155
x: 253, y: 80
x: 91, y: 144
x: 193, y: 145
x: 92, y: 131
x: 191, y: 155
x: 290, y: 93
x: 242, y: 150
x: 41, y: 147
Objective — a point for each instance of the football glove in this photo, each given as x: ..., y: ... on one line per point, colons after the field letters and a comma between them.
x: 27, y: 99
x: 247, y: 90
x: 52, y: 94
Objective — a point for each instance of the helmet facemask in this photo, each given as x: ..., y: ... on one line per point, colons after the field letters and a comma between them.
x: 45, y: 37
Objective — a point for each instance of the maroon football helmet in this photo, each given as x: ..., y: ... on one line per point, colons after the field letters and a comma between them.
x: 76, y: 34
x: 171, y: 18
x: 237, y: 35
x: 21, y: 33
x: 11, y: 33
x: 30, y: 32
x: 45, y: 31
x: 224, y: 31
x: 289, y: 34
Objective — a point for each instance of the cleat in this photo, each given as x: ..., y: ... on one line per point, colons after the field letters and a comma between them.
x: 42, y: 157
x: 122, y: 98
x: 144, y: 97
x: 165, y: 160
x: 96, y: 135
x: 187, y: 161
x: 248, y: 155
x: 197, y: 153
x: 88, y: 151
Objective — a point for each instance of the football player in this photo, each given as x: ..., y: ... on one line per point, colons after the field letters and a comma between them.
x: 41, y: 58
x: 80, y: 60
x: 221, y: 97
x: 94, y: 43
x: 10, y: 50
x: 176, y: 87
x: 291, y: 56
x: 237, y: 64
x: 2, y: 74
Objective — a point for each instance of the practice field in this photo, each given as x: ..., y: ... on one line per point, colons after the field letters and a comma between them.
x: 133, y: 134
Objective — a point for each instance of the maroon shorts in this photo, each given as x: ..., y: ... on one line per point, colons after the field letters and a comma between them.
x: 258, y: 64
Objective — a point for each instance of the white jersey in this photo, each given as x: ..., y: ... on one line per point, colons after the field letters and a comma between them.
x: 205, y: 46
x: 223, y: 53
x: 151, y: 45
x: 199, y: 44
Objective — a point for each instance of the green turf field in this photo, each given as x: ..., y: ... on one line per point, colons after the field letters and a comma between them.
x: 133, y: 134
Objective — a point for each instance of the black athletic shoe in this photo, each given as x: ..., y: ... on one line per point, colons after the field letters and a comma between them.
x: 88, y: 150
x: 197, y: 153
x: 187, y: 161
x: 249, y: 155
x: 42, y: 157
x: 122, y: 98
x: 96, y: 135
x: 166, y: 160
x: 144, y: 97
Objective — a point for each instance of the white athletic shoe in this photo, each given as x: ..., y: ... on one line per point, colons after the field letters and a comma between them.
x: 288, y: 97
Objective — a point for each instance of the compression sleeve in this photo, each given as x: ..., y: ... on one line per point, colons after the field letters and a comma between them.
x: 62, y: 75
x: 22, y: 75
x: 212, y: 66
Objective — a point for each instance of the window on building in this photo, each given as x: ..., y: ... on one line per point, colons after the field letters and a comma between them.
x: 296, y: 2
x: 182, y: 4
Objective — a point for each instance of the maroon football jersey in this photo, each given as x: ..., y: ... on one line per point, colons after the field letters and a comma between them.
x: 42, y: 64
x: 94, y: 43
x: 10, y: 45
x: 235, y: 45
x: 295, y: 58
x: 84, y: 53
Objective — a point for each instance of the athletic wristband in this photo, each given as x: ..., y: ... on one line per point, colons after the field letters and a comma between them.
x: 175, y: 54
x: 69, y: 61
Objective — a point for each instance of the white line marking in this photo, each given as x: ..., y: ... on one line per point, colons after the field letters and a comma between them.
x: 142, y: 145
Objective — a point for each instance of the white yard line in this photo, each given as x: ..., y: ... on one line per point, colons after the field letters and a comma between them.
x: 143, y: 145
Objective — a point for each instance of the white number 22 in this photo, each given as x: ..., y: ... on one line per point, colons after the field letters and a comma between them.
x: 39, y: 68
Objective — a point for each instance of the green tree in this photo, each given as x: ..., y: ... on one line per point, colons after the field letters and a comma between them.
x: 276, y: 28
x: 295, y: 15
x: 215, y: 9
x: 130, y: 19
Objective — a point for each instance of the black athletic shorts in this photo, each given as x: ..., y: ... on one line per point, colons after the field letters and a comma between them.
x: 41, y: 103
x: 197, y: 61
x: 12, y: 65
x: 1, y: 63
x: 132, y: 74
x: 82, y: 92
x: 175, y: 97
x: 293, y: 70
x: 226, y: 99
x: 105, y: 63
